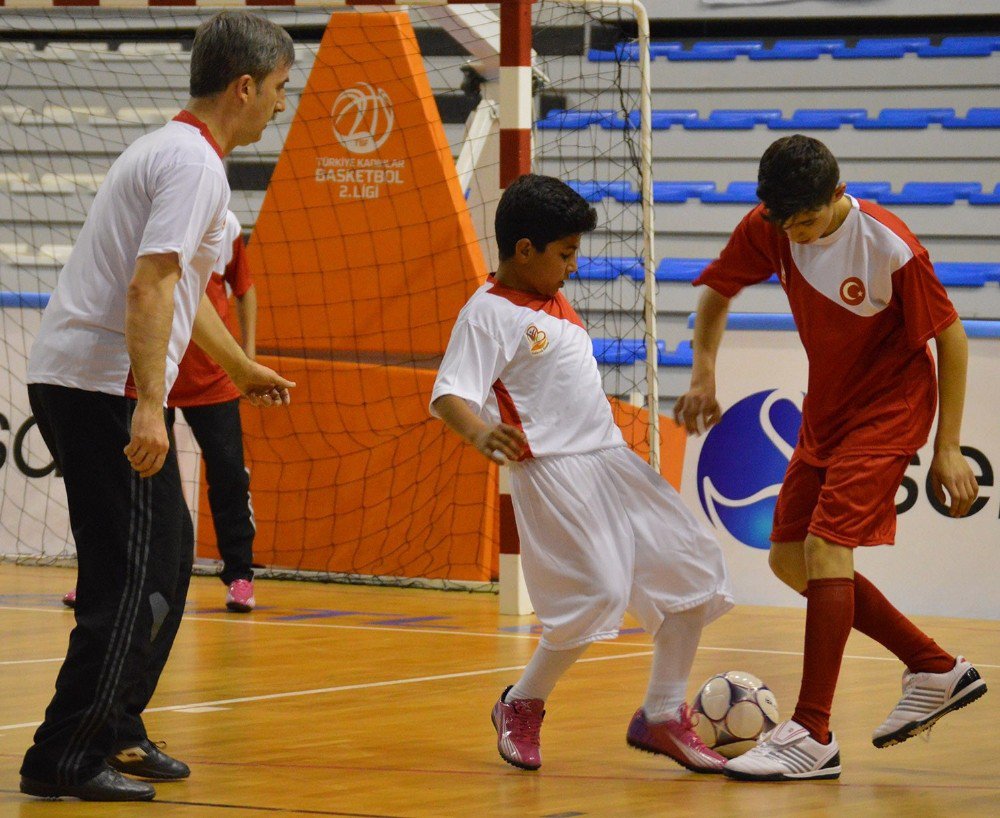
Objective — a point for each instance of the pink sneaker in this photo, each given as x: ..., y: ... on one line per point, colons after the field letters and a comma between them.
x: 240, y: 597
x: 518, y: 725
x: 70, y: 599
x: 676, y: 739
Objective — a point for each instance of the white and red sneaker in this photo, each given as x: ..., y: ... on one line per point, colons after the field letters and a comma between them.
x: 926, y: 698
x: 70, y: 599
x: 519, y: 724
x: 787, y: 753
x: 239, y: 598
x: 676, y: 739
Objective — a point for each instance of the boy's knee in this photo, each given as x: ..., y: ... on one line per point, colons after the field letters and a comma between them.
x: 827, y: 559
x: 787, y: 563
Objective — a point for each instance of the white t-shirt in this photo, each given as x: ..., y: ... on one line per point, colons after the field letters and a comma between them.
x: 527, y: 361
x: 167, y: 192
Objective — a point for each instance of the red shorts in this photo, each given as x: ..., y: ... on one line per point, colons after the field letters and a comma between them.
x: 851, y: 501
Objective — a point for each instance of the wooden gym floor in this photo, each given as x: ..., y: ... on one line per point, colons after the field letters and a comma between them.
x: 334, y: 700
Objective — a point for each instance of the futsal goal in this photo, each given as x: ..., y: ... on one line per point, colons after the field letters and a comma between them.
x: 368, y: 214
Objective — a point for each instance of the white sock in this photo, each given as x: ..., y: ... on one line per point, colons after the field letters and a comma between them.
x: 674, y: 647
x: 543, y: 671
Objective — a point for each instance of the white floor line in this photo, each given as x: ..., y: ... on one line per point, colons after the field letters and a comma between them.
x: 30, y: 661
x: 319, y: 691
x: 250, y: 622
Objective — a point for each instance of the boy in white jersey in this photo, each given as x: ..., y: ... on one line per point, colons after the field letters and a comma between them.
x: 601, y: 532
x: 107, y: 353
x: 866, y: 301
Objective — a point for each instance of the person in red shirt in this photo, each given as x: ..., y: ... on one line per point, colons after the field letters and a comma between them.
x: 866, y: 301
x: 209, y: 401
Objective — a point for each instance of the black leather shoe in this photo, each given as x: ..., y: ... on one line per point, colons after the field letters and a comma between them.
x: 146, y: 760
x: 107, y: 785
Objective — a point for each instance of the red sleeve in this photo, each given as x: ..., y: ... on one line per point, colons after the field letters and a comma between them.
x: 927, y: 310
x: 237, y: 273
x: 749, y: 257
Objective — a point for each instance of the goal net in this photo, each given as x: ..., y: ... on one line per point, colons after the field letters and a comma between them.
x: 365, y: 238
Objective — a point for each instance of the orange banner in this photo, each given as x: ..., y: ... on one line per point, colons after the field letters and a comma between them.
x: 364, y: 242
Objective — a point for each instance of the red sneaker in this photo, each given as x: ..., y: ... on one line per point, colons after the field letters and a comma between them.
x: 676, y: 739
x: 70, y: 599
x: 518, y: 725
x: 240, y: 596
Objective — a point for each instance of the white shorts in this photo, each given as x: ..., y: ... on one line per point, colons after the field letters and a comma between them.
x: 602, y: 533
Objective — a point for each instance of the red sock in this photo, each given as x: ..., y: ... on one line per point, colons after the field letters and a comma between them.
x: 875, y: 616
x: 829, y: 614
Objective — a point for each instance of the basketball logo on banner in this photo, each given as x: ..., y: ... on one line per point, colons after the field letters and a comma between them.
x: 362, y: 118
x: 743, y: 461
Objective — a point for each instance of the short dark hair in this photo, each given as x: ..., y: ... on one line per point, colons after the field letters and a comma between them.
x: 233, y: 43
x: 542, y: 209
x: 796, y: 174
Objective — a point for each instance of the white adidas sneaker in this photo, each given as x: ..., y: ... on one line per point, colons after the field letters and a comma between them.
x: 787, y: 753
x: 926, y: 698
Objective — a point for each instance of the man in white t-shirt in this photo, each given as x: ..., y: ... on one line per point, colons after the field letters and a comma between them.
x: 600, y: 531
x: 127, y: 303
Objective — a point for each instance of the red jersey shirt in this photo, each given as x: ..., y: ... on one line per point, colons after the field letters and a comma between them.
x: 200, y: 380
x: 866, y: 301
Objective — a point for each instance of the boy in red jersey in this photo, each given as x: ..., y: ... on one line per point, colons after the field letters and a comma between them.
x: 600, y: 531
x: 866, y: 301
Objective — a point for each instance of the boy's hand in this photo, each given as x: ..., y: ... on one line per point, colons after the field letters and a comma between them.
x: 697, y: 410
x: 500, y: 443
x: 950, y: 472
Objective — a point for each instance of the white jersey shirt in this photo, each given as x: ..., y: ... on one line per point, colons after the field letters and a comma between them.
x: 526, y: 360
x: 166, y: 193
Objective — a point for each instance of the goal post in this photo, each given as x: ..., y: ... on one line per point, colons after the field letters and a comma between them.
x: 366, y: 245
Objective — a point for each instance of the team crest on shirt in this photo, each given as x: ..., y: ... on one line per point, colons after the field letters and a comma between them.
x: 852, y: 291
x: 538, y: 341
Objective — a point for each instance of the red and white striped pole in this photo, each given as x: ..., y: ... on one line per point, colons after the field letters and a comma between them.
x: 515, y: 90
x: 515, y: 159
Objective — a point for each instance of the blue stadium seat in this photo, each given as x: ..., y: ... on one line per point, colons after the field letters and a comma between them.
x: 608, y: 268
x: 733, y: 120
x: 681, y: 269
x: 573, y: 120
x: 986, y: 198
x: 982, y: 329
x: 870, y: 48
x: 913, y: 193
x: 23, y: 300
x: 662, y: 120
x: 796, y: 50
x: 975, y: 118
x: 972, y: 271
x: 927, y: 193
x: 682, y: 356
x: 738, y: 192
x: 899, y: 118
x: 829, y: 119
x: 618, y: 351
x: 714, y: 52
x: 680, y: 191
x: 598, y: 191
x: 805, y: 119
x: 780, y: 321
x: 880, y: 48
x: 868, y: 190
x: 959, y: 274
x: 962, y: 47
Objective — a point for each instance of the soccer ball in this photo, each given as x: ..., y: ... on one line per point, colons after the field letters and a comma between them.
x: 733, y: 709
